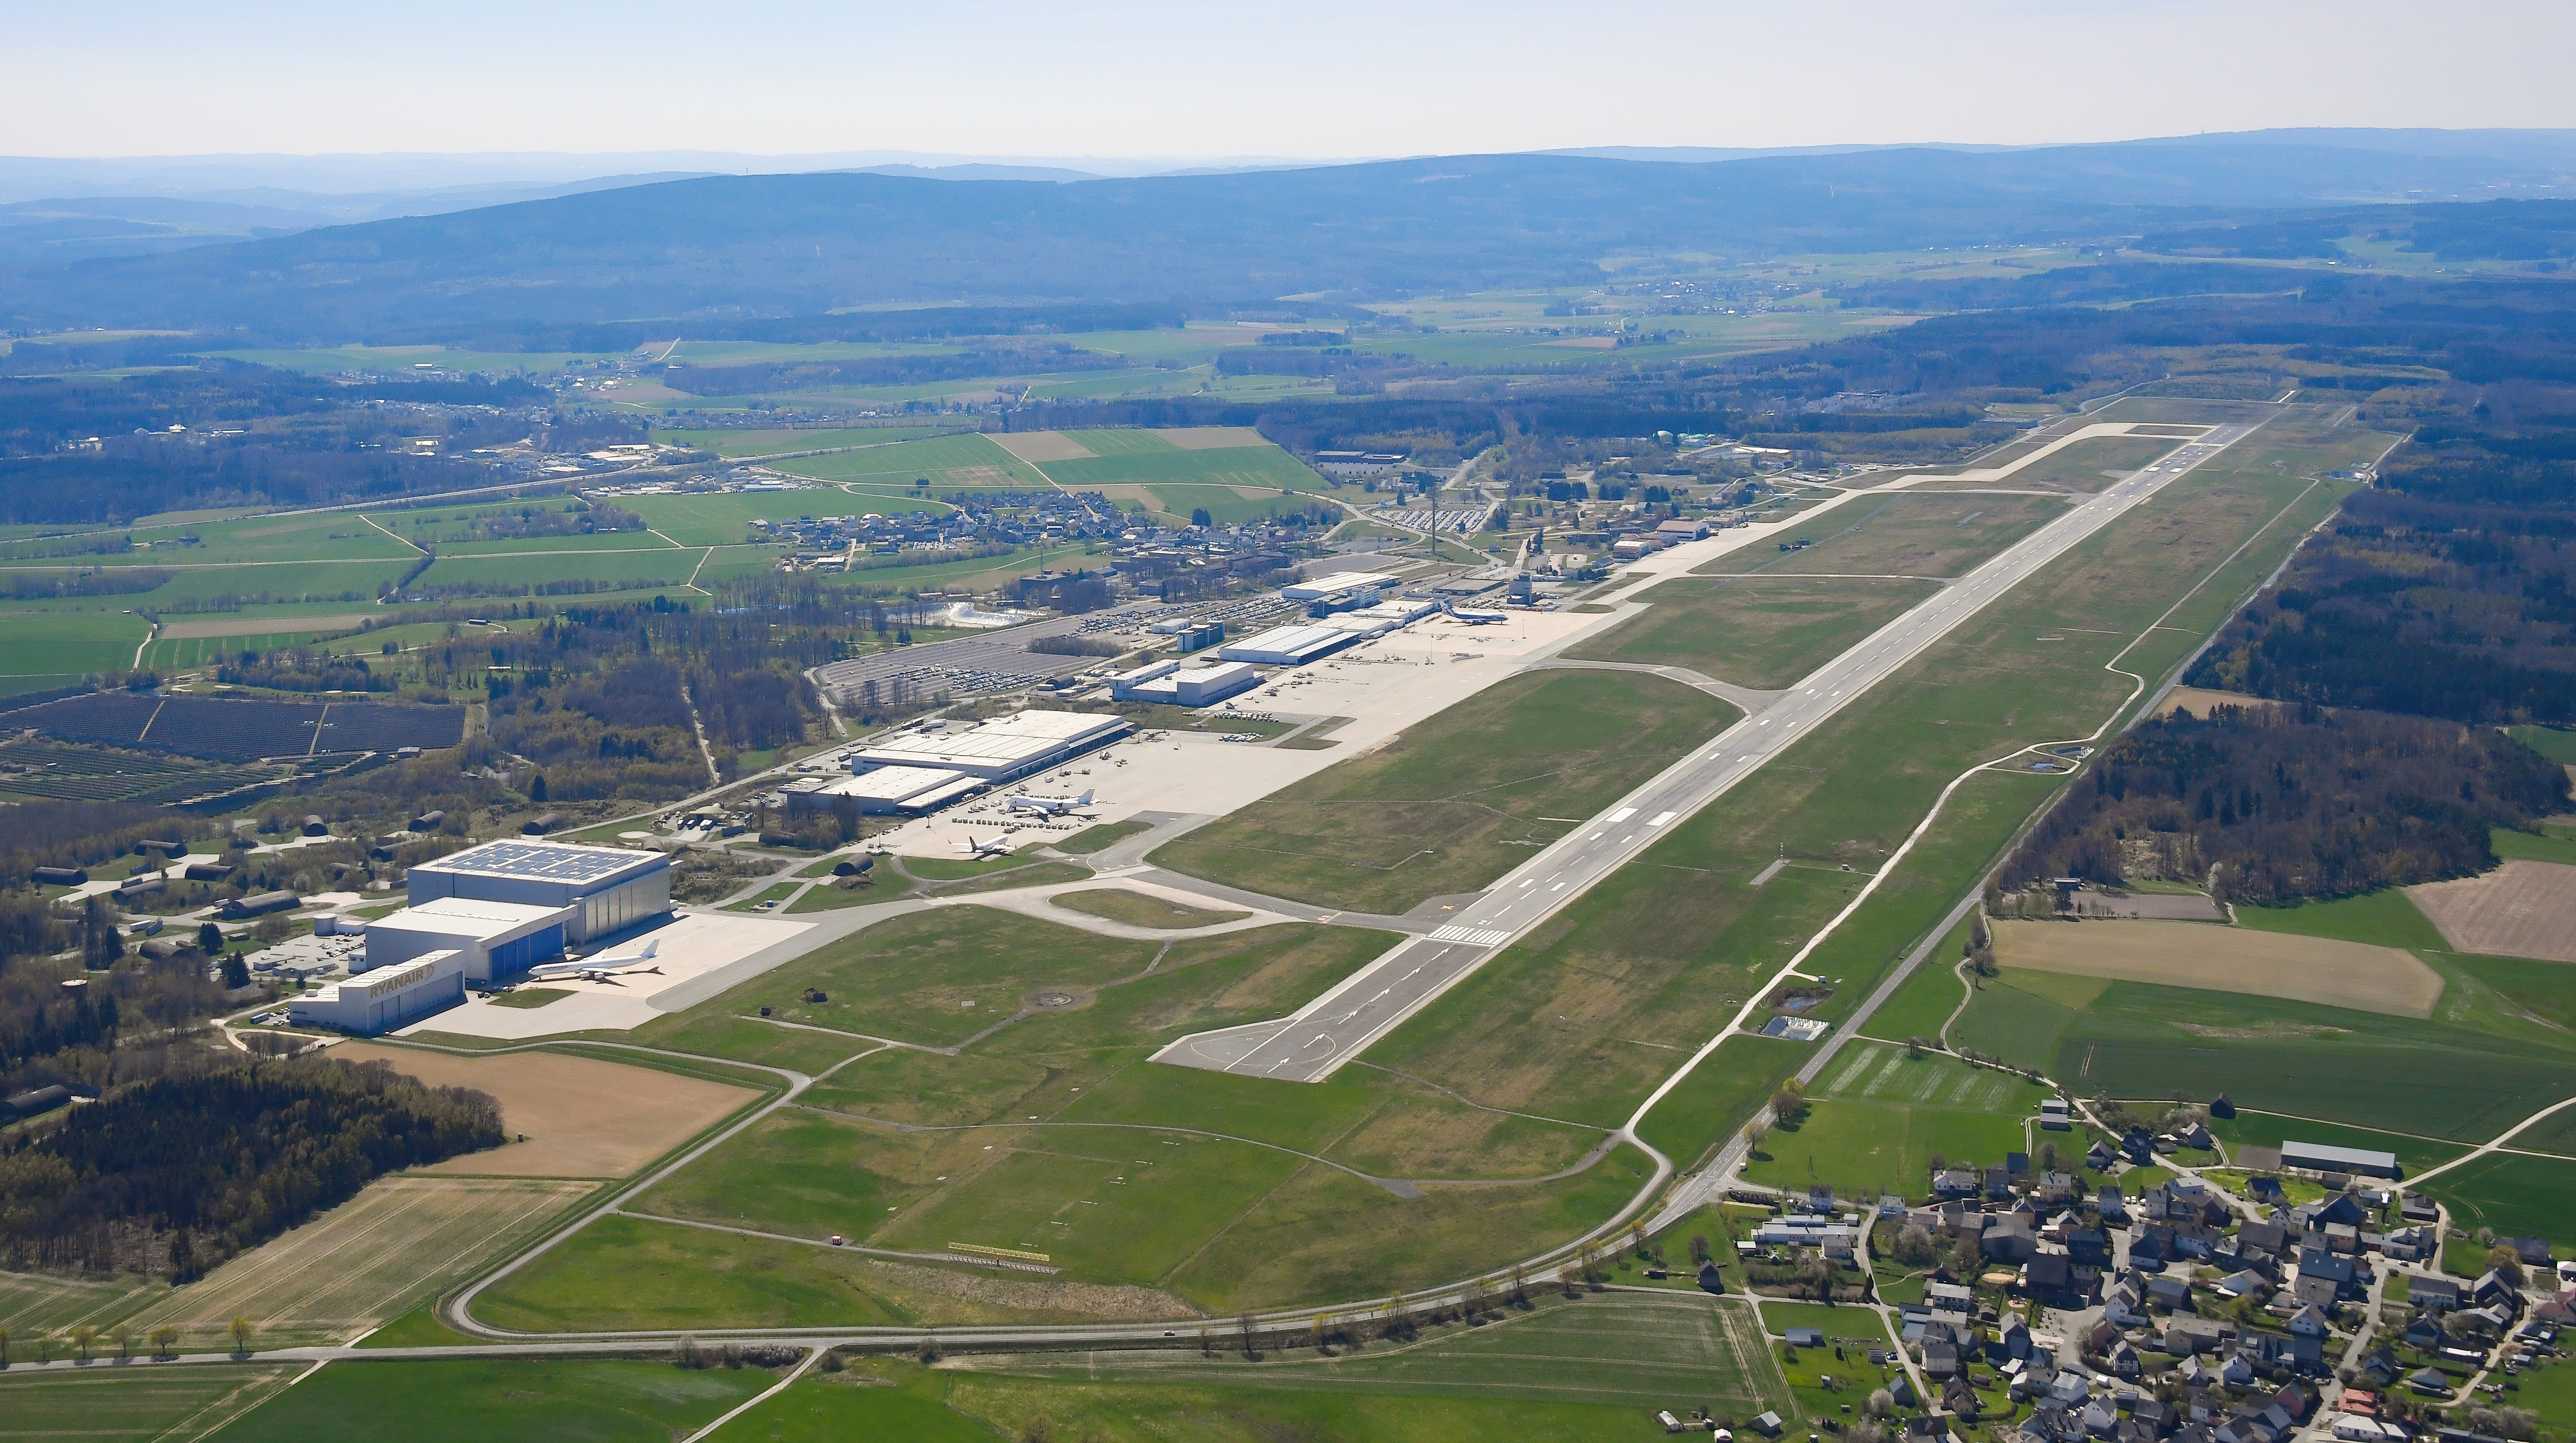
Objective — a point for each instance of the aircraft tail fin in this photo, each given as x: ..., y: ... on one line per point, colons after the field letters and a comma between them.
x: 1084, y: 800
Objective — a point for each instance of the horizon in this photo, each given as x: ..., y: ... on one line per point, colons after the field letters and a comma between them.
x: 793, y: 78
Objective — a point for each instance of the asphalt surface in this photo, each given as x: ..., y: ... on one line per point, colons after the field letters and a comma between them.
x: 1336, y: 1027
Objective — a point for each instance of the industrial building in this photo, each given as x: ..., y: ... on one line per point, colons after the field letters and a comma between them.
x: 882, y: 791
x: 493, y: 941
x: 1196, y: 686
x: 998, y: 750
x: 610, y: 889
x: 1326, y: 588
x: 2318, y: 1157
x: 386, y: 997
x: 1385, y: 616
x: 1291, y: 645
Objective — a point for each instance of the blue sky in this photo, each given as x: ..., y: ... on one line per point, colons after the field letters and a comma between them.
x: 1324, y: 78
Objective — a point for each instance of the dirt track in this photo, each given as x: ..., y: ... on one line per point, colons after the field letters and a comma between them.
x: 583, y: 1118
x: 2227, y: 959
x: 2521, y: 909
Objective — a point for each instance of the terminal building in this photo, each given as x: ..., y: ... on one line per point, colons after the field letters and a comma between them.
x: 609, y: 888
x: 386, y: 997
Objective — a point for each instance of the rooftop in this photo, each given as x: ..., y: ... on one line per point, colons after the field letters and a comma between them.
x: 465, y: 917
x: 547, y: 861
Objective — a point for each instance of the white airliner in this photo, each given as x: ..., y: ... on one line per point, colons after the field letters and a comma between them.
x: 998, y: 847
x: 1473, y: 618
x: 598, y: 969
x: 1046, y: 806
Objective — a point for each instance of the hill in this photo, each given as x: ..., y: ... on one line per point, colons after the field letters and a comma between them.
x: 800, y: 244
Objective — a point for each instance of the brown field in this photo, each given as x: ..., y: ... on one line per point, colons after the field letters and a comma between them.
x: 2521, y: 909
x: 259, y: 626
x: 1041, y: 446
x: 2227, y: 959
x: 365, y: 1262
x: 2198, y: 700
x: 1213, y: 438
x: 582, y: 1117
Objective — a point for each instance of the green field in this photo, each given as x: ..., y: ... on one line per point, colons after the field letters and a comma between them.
x: 343, y: 535
x: 1899, y: 535
x: 623, y: 1272
x: 1055, y: 1135
x: 1563, y: 1374
x: 1579, y: 1019
x: 1458, y: 800
x: 49, y: 649
x: 969, y: 461
x: 595, y: 1401
x: 1136, y: 909
x: 650, y: 566
x: 1879, y: 1116
x: 1925, y: 1002
x: 2556, y: 743
x: 1759, y: 632
x: 2440, y: 1080
x: 398, y: 360
x: 2516, y: 1196
x: 2385, y: 918
x: 2078, y: 467
x: 1637, y: 1351
x: 2019, y: 1015
x: 136, y: 1403
x: 733, y: 444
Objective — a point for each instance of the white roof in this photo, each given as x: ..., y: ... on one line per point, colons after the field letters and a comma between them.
x: 1323, y: 586
x: 466, y: 917
x: 891, y: 784
x: 1001, y: 743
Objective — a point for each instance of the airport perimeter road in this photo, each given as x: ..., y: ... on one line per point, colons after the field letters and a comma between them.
x: 1336, y: 1027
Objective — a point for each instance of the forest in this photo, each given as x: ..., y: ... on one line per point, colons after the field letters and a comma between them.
x: 179, y: 1172
x: 2444, y: 590
x: 2269, y: 804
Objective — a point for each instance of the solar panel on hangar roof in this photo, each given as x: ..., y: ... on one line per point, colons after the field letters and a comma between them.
x: 554, y: 864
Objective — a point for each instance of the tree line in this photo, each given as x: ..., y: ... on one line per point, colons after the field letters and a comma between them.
x: 2268, y: 804
x: 198, y: 1167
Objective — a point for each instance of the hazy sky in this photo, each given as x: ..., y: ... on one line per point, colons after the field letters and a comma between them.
x: 1314, y: 79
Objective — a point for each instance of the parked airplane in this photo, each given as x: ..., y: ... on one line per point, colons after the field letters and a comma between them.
x: 1046, y: 806
x: 977, y: 851
x: 598, y: 969
x: 1472, y: 618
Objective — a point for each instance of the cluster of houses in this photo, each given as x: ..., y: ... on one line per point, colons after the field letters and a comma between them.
x: 1016, y: 519
x: 2249, y: 1317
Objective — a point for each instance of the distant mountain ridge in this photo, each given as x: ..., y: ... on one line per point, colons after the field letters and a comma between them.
x: 808, y: 243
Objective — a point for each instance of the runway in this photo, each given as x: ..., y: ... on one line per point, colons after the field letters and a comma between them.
x: 1321, y: 1037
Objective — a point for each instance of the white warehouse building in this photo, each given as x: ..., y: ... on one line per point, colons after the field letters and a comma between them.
x: 1291, y: 645
x: 1196, y: 686
x: 385, y: 998
x: 492, y: 941
x: 998, y: 750
x: 609, y: 889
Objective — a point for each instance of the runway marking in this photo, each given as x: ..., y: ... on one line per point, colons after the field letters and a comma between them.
x: 1662, y: 817
x: 1473, y: 936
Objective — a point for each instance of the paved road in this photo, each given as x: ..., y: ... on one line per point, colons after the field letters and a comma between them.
x: 1336, y: 1027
